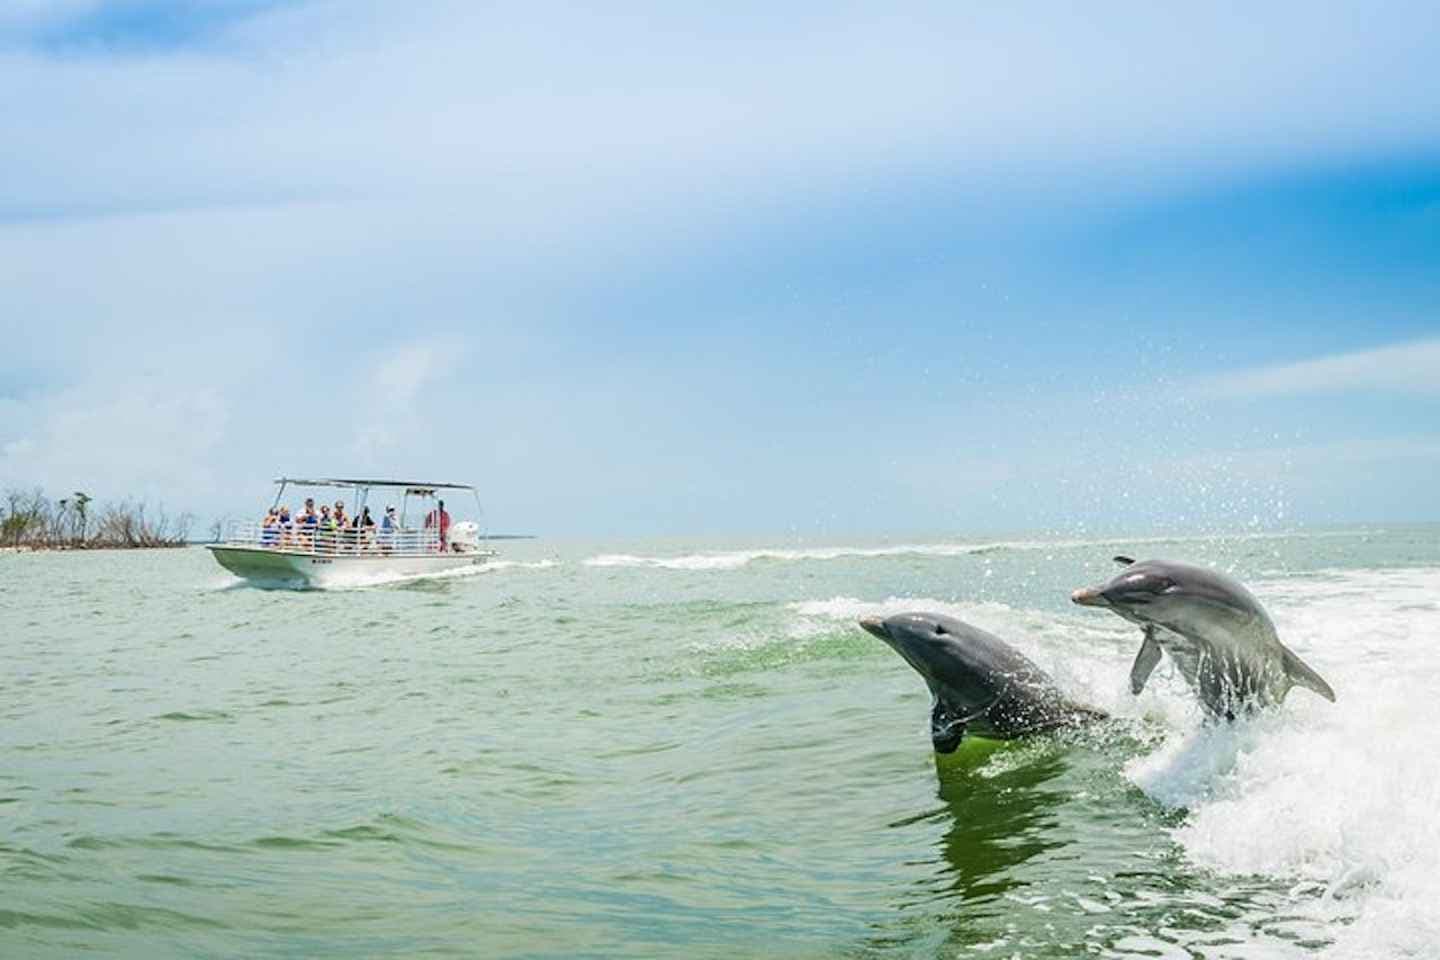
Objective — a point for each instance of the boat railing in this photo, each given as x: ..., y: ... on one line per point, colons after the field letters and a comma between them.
x: 346, y: 541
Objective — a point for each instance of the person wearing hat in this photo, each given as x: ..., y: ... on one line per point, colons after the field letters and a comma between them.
x: 388, y: 528
x: 306, y: 523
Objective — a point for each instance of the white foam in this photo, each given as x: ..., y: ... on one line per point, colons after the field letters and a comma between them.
x: 521, y: 564
x: 359, y: 579
x: 735, y: 559
x: 1344, y: 799
x: 364, y: 580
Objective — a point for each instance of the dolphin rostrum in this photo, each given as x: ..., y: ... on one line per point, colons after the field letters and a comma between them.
x: 1219, y: 636
x: 979, y: 683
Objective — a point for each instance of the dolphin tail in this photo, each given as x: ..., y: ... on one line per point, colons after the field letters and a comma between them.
x: 1301, y: 674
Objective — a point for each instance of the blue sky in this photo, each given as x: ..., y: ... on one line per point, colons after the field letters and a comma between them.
x: 667, y: 269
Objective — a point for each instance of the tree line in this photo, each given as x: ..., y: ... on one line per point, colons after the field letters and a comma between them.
x: 31, y: 519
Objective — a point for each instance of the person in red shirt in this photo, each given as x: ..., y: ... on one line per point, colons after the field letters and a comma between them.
x: 438, y: 517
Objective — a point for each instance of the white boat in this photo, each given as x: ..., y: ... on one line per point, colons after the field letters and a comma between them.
x: 419, y: 541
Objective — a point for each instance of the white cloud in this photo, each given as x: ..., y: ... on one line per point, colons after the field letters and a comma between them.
x: 564, y: 110
x: 128, y: 437
x: 402, y: 373
x: 390, y: 416
x: 1402, y: 368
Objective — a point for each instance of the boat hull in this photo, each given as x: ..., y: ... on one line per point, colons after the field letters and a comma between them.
x: 291, y: 568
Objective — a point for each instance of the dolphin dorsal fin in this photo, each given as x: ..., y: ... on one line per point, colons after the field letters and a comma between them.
x: 1300, y: 674
x: 1123, y: 560
x: 1145, y: 661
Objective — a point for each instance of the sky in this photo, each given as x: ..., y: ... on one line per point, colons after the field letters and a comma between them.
x: 817, y: 271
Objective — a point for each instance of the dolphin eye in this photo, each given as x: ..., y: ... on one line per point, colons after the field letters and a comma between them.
x: 941, y: 631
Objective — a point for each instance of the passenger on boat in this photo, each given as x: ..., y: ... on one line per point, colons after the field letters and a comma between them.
x: 439, y: 518
x: 326, y: 537
x: 270, y: 528
x: 343, y: 533
x: 365, y: 526
x: 287, y: 528
x: 306, y: 524
x: 388, y: 528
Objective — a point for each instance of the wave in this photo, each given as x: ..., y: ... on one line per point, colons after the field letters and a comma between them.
x: 1339, y: 799
x: 736, y: 559
x: 521, y: 564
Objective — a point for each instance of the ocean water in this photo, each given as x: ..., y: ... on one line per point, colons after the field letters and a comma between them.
x: 690, y: 749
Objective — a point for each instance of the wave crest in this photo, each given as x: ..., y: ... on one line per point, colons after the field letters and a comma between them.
x: 1341, y: 798
x: 736, y: 559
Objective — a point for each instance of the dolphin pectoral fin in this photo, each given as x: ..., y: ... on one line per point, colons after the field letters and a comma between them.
x: 946, y: 729
x: 947, y: 741
x: 1300, y: 674
x: 1145, y: 661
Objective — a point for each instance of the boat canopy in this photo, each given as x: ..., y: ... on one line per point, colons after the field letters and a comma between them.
x: 414, y: 485
x: 410, y: 488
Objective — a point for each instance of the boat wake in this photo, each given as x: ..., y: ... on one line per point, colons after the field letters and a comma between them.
x: 364, y: 580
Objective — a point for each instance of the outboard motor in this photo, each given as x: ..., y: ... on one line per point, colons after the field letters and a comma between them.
x: 464, y: 537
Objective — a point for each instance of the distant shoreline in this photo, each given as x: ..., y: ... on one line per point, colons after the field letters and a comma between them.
x: 87, y: 548
x: 90, y: 548
x: 493, y: 536
x: 31, y: 521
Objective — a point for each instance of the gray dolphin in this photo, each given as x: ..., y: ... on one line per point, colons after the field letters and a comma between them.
x: 1217, y: 633
x: 980, y: 684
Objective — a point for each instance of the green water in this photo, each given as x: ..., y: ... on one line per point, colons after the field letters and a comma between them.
x: 559, y: 758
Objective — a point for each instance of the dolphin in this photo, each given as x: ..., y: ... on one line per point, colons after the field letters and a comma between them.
x: 1219, y: 636
x: 979, y: 683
